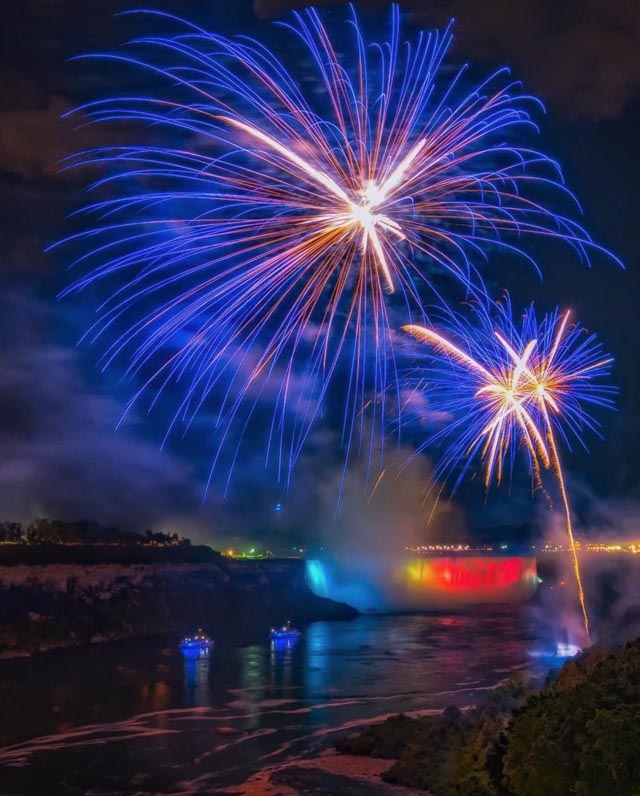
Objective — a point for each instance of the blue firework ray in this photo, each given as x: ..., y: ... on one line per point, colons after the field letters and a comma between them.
x: 505, y: 384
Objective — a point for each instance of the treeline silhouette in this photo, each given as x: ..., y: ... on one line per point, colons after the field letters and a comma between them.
x: 47, y: 541
x: 46, y: 531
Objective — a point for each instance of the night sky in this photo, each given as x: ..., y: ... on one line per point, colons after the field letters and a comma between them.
x: 61, y: 453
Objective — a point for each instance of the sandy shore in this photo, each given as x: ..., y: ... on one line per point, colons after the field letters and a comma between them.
x: 328, y: 774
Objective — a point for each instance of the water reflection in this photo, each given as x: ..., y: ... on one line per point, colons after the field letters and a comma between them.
x: 253, y: 683
x: 196, y: 677
x: 138, y: 708
x: 281, y: 659
x: 318, y: 658
x: 251, y: 667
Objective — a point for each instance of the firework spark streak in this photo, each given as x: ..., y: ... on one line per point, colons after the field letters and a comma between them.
x: 256, y: 259
x: 505, y: 386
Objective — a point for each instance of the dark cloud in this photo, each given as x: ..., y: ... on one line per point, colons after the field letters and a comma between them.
x: 580, y: 57
x: 35, y: 141
x: 62, y: 456
x: 271, y: 9
x: 19, y: 92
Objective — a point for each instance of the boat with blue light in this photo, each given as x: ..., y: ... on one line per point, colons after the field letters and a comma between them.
x: 286, y: 632
x: 565, y: 649
x: 197, y: 643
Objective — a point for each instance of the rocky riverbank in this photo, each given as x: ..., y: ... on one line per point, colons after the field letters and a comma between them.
x: 575, y: 733
x: 47, y: 606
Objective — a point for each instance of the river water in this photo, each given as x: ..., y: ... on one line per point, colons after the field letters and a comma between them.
x: 137, y: 718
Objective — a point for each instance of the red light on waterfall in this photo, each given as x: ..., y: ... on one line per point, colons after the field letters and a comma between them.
x: 470, y: 573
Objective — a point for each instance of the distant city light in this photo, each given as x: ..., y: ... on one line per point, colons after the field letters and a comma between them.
x: 632, y: 548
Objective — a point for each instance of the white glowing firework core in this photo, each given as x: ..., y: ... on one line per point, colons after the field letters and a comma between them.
x: 360, y: 212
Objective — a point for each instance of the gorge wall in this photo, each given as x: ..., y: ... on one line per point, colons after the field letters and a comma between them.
x: 43, y: 606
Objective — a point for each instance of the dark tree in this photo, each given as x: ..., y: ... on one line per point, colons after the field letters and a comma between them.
x: 581, y: 735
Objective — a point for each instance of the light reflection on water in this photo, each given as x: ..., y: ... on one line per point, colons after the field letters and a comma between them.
x: 196, y: 677
x: 282, y: 662
x: 148, y: 719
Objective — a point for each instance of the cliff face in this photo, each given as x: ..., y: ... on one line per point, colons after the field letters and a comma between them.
x: 53, y: 605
